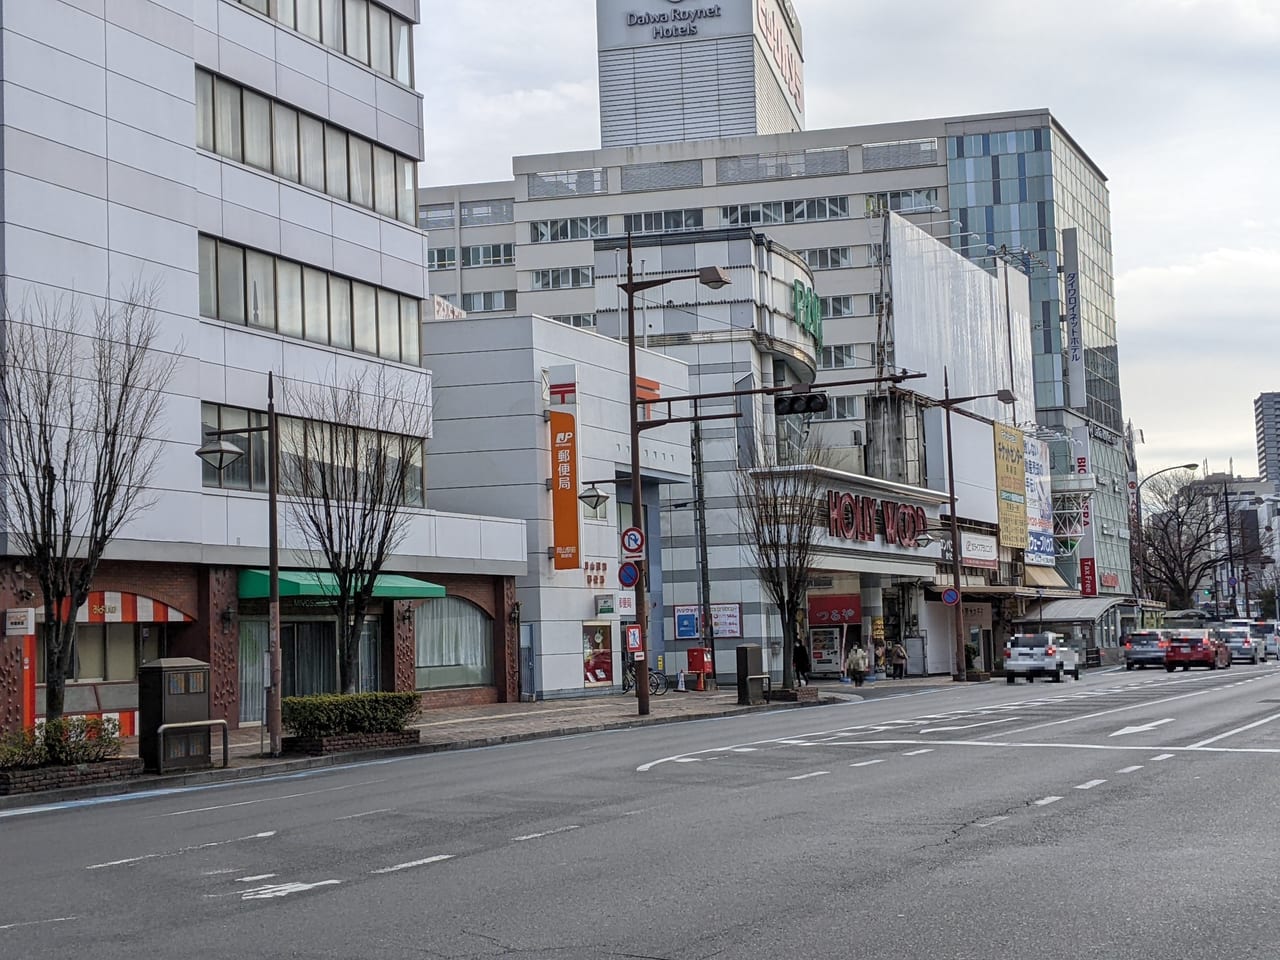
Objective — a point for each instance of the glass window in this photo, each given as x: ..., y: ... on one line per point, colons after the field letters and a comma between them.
x: 364, y: 316
x: 340, y: 312
x: 257, y: 130
x: 414, y: 494
x: 286, y: 12
x: 309, y: 18
x: 286, y: 141
x: 335, y: 145
x: 388, y: 325
x: 408, y: 182
x: 258, y: 452
x: 410, y: 331
x: 259, y: 5
x: 227, y: 130
x: 357, y: 21
x: 208, y: 424
x: 315, y: 295
x: 260, y: 269
x: 208, y: 277
x: 454, y: 644
x: 89, y: 661
x: 204, y: 110
x: 380, y: 39
x: 311, y: 138
x: 122, y: 652
x: 289, y: 298
x: 361, y: 155
x: 402, y: 50
x: 331, y: 16
x: 384, y: 181
x: 230, y: 283
x: 235, y: 475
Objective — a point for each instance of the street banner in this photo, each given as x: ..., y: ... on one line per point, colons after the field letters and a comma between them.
x: 1041, y: 550
x: 565, y: 511
x: 1011, y: 486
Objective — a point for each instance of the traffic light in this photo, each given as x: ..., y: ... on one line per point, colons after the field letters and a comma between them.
x: 788, y: 403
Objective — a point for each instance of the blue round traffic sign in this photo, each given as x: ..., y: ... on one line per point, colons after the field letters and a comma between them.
x: 1232, y: 581
x: 628, y: 574
x: 951, y: 596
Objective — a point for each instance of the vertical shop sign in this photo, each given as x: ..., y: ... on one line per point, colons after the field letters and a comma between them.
x: 565, y: 521
x: 1075, y: 322
x: 1011, y: 486
x: 1041, y: 550
x: 1087, y: 550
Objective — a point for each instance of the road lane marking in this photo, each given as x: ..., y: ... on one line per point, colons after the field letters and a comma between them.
x: 1114, y: 710
x: 1045, y: 801
x: 1232, y: 733
x: 255, y: 879
x: 1134, y: 769
x: 743, y: 750
x: 284, y: 889
x: 969, y: 726
x: 1143, y: 728
x: 1090, y: 784
x: 36, y: 923
x: 866, y: 763
x: 367, y: 813
x: 806, y: 776
x: 177, y: 853
x: 283, y: 796
x: 545, y: 833
x: 439, y: 858
x: 1163, y: 756
x: 917, y: 753
x: 990, y: 821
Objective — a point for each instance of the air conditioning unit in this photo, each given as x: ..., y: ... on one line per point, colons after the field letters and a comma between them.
x: 855, y: 437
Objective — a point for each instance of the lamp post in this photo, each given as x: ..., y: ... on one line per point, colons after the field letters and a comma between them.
x: 713, y: 278
x: 219, y: 454
x: 947, y: 402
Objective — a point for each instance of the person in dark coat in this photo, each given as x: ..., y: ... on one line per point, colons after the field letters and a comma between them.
x: 800, y: 660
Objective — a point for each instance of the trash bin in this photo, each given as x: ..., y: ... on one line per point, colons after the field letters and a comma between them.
x: 173, y: 690
x: 751, y: 674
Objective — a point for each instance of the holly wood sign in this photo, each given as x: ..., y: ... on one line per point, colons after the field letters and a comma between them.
x: 863, y: 518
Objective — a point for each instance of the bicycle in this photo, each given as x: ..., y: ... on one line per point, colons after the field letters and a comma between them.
x: 658, y: 683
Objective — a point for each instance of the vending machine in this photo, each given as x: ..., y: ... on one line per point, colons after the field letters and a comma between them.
x: 825, y: 644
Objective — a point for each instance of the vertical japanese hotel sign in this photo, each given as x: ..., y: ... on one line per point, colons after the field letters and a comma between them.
x: 1087, y: 549
x: 1041, y: 550
x: 563, y: 420
x: 1011, y: 486
x: 1075, y: 323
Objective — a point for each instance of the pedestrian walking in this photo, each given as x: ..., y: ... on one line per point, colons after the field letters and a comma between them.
x: 856, y: 664
x: 800, y: 660
x: 898, y: 657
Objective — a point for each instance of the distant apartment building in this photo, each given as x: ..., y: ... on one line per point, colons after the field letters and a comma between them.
x: 1266, y: 422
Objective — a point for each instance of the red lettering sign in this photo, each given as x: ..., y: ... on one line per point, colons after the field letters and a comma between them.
x: 1088, y: 577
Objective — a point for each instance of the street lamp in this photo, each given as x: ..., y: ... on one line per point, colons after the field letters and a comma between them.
x: 219, y: 454
x: 713, y: 278
x: 947, y: 402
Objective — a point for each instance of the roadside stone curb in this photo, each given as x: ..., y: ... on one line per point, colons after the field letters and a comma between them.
x: 121, y: 788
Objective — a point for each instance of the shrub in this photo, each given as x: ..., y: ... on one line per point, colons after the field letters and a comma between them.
x: 65, y: 742
x: 331, y: 714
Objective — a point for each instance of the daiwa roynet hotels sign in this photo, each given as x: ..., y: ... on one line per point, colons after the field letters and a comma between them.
x: 637, y: 23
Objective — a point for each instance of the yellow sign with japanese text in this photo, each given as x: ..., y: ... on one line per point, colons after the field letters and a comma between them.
x: 1011, y: 486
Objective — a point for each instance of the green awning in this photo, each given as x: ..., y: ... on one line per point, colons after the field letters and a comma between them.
x: 256, y: 585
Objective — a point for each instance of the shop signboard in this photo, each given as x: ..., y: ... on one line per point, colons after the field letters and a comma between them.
x: 726, y: 619
x: 1087, y: 548
x: 1075, y: 323
x: 836, y: 608
x: 565, y: 509
x: 979, y: 550
x: 1011, y: 486
x: 1041, y: 551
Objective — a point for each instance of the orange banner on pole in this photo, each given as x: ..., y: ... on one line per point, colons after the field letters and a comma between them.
x: 564, y: 491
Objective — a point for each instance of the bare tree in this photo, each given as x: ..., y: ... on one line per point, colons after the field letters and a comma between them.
x: 1182, y: 537
x: 783, y: 509
x: 82, y: 396
x: 352, y: 468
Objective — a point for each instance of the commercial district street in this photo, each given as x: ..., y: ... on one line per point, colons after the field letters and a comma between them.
x: 1082, y: 820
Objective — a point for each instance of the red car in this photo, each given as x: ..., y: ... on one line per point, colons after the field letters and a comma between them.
x: 1188, y: 648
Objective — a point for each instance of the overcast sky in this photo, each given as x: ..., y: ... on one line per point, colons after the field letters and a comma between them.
x: 1176, y: 101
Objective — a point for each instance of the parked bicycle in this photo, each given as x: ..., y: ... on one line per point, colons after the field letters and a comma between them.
x: 658, y: 684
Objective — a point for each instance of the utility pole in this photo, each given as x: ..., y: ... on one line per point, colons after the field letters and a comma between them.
x: 708, y: 631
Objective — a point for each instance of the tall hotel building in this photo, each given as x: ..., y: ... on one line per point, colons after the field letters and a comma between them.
x: 723, y: 148
x: 254, y: 160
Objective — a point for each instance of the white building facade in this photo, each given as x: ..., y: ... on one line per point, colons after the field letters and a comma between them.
x: 255, y: 161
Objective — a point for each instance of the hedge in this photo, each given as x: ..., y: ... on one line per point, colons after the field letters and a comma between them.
x: 66, y: 742
x: 331, y: 714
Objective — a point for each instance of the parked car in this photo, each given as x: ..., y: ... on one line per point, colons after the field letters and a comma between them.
x: 1196, y: 648
x: 1034, y: 655
x: 1145, y: 648
x: 1242, y: 644
x: 1267, y: 632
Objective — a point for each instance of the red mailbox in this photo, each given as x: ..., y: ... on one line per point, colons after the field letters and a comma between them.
x: 699, y: 660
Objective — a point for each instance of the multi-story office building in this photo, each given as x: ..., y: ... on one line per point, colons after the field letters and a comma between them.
x: 1011, y: 180
x: 1266, y: 421
x: 254, y: 161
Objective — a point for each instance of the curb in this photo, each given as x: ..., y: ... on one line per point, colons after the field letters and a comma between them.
x: 286, y: 767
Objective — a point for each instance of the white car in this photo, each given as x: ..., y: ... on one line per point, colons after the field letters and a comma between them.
x: 1034, y: 655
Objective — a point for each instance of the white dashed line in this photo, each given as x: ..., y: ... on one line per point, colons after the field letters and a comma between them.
x: 413, y: 863
x: 917, y: 753
x: 261, y: 876
x: 1232, y: 733
x: 1134, y: 769
x: 35, y: 923
x: 1163, y: 756
x: 177, y: 853
x: 806, y: 776
x: 866, y: 763
x: 1045, y: 801
x: 990, y: 821
x: 367, y: 813
x: 744, y: 749
x: 284, y: 890
x: 1089, y: 785
x: 545, y: 833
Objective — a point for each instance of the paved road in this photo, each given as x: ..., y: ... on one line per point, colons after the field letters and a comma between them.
x: 1131, y: 815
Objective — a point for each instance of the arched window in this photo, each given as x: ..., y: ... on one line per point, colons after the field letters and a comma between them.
x: 454, y: 643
